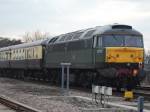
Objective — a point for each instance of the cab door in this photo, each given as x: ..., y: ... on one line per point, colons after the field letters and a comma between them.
x: 98, y: 51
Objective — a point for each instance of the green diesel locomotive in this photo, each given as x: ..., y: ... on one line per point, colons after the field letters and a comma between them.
x: 110, y: 55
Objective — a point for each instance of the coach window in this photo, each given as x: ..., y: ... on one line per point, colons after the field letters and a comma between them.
x: 3, y: 55
x: 6, y: 55
x: 15, y: 54
x: 25, y: 51
x: 33, y: 52
x: 21, y: 53
x: 36, y: 56
x: 29, y: 53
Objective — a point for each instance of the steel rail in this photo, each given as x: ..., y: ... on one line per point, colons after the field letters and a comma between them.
x: 146, y: 88
x: 19, y: 107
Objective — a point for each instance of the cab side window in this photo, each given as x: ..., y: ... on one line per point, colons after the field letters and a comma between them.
x: 99, y: 42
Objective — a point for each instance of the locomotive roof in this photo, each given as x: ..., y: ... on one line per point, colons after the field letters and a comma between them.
x: 88, y: 33
x: 25, y: 45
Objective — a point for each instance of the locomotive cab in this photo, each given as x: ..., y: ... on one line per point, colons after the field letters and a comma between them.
x: 119, y: 54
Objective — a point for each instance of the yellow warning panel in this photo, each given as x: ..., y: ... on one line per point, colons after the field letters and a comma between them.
x: 124, y: 55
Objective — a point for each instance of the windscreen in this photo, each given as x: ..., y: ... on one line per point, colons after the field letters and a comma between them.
x: 122, y: 40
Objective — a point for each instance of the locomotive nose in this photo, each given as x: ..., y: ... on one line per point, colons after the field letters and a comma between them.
x: 124, y: 55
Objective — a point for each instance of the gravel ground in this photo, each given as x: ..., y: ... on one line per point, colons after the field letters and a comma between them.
x: 45, y: 97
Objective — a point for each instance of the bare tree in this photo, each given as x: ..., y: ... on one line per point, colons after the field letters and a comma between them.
x: 27, y: 37
x: 37, y: 35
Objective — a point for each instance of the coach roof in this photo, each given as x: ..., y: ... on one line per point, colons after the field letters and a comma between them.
x: 25, y: 45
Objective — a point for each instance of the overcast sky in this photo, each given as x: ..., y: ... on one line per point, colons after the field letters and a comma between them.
x: 61, y: 16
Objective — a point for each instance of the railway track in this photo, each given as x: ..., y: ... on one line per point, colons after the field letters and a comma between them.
x: 143, y: 91
x: 147, y: 88
x: 18, y: 107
